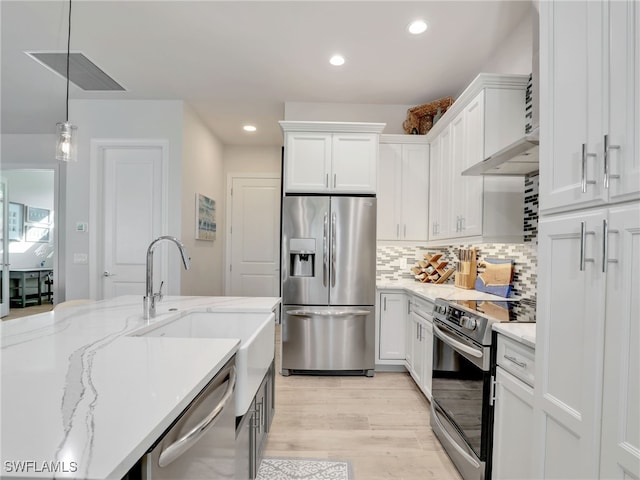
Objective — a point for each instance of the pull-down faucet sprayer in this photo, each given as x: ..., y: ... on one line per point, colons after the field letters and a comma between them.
x: 149, y: 301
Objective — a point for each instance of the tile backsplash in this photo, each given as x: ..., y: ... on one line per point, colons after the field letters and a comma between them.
x: 394, y: 261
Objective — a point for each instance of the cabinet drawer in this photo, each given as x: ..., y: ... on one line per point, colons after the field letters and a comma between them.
x: 421, y: 307
x: 516, y: 358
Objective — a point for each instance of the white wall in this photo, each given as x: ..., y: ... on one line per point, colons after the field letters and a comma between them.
x: 239, y: 159
x: 515, y: 55
x: 202, y: 172
x: 33, y: 188
x: 28, y: 148
x: 119, y: 119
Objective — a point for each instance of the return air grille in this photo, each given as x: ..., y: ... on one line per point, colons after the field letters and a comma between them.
x: 82, y: 71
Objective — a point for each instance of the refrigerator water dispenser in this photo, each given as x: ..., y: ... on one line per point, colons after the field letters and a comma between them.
x: 302, y: 256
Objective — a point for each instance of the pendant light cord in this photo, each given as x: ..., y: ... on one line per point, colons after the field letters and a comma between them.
x: 68, y: 57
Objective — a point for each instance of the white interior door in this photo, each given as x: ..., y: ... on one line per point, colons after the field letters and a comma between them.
x: 133, y: 211
x: 254, y: 240
x: 4, y: 250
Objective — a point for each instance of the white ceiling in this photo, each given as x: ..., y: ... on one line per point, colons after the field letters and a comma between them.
x: 237, y: 62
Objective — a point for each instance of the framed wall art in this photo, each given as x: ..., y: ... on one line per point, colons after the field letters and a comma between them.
x: 16, y: 221
x: 34, y: 233
x: 38, y: 215
x: 205, y: 218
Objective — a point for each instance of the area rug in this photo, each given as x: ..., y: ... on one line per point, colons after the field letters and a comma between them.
x: 303, y: 469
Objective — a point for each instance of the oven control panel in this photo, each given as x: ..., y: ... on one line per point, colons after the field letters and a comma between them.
x: 463, y: 321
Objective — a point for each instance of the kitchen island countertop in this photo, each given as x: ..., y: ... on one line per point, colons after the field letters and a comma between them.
x: 82, y: 398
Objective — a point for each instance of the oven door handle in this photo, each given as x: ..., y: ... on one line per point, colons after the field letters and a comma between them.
x: 443, y: 429
x: 451, y: 341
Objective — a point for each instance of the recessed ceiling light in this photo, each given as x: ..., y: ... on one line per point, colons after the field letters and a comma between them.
x: 249, y: 128
x: 337, y: 60
x: 417, y: 27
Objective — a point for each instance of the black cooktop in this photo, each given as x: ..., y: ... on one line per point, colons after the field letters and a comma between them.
x: 523, y: 310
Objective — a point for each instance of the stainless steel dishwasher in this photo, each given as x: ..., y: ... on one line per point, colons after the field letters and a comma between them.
x: 201, y: 442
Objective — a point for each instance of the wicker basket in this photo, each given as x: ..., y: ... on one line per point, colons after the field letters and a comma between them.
x: 420, y: 119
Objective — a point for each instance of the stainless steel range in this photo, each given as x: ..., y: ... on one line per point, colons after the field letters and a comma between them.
x: 462, y: 404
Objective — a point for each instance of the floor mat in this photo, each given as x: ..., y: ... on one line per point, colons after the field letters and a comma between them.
x: 303, y: 469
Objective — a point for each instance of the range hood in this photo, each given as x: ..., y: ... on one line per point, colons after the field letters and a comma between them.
x: 516, y: 160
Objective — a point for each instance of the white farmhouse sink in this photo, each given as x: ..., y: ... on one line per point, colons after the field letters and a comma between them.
x: 255, y: 331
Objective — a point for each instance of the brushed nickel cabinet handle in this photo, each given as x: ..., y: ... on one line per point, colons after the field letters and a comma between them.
x: 605, y: 245
x: 583, y: 245
x: 607, y: 166
x: 584, y: 182
x: 515, y: 360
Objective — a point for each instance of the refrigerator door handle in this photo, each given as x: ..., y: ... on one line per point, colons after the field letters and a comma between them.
x: 331, y: 313
x: 324, y: 250
x: 333, y: 249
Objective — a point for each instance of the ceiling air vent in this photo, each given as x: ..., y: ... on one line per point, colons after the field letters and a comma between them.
x: 82, y: 71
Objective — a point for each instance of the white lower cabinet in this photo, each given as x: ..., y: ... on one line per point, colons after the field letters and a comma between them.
x: 419, y: 359
x: 513, y: 414
x: 404, y: 335
x: 391, y: 327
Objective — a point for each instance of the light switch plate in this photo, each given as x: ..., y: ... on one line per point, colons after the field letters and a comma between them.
x: 82, y: 227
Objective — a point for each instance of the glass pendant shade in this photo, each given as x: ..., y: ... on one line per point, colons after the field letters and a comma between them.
x: 67, y: 146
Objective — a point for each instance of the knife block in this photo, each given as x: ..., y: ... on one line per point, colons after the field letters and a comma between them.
x: 467, y: 272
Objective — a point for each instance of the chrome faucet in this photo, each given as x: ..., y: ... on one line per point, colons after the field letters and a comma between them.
x: 149, y: 301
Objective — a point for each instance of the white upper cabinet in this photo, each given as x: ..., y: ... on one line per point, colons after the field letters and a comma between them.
x: 589, y: 111
x: 471, y: 188
x: 388, y: 193
x: 327, y: 157
x: 354, y: 162
x: 310, y: 172
x: 440, y: 184
x: 486, y: 117
x: 403, y: 188
x: 623, y: 141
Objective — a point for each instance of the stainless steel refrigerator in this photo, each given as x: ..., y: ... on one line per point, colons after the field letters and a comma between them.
x: 328, y: 284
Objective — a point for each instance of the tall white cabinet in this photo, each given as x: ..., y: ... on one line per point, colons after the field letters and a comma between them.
x: 403, y: 188
x: 587, y: 400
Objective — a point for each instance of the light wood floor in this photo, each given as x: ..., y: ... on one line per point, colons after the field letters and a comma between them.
x: 31, y: 310
x: 380, y: 424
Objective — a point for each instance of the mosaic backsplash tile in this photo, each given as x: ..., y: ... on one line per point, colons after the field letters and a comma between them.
x: 391, y: 259
x: 531, y: 209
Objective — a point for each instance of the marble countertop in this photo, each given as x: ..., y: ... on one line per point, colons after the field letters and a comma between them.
x: 430, y: 291
x: 82, y: 396
x: 524, y: 333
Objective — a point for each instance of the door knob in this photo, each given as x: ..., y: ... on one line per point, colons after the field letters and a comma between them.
x: 107, y: 274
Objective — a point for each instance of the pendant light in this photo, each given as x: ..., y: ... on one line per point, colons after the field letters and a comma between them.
x: 66, y: 148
